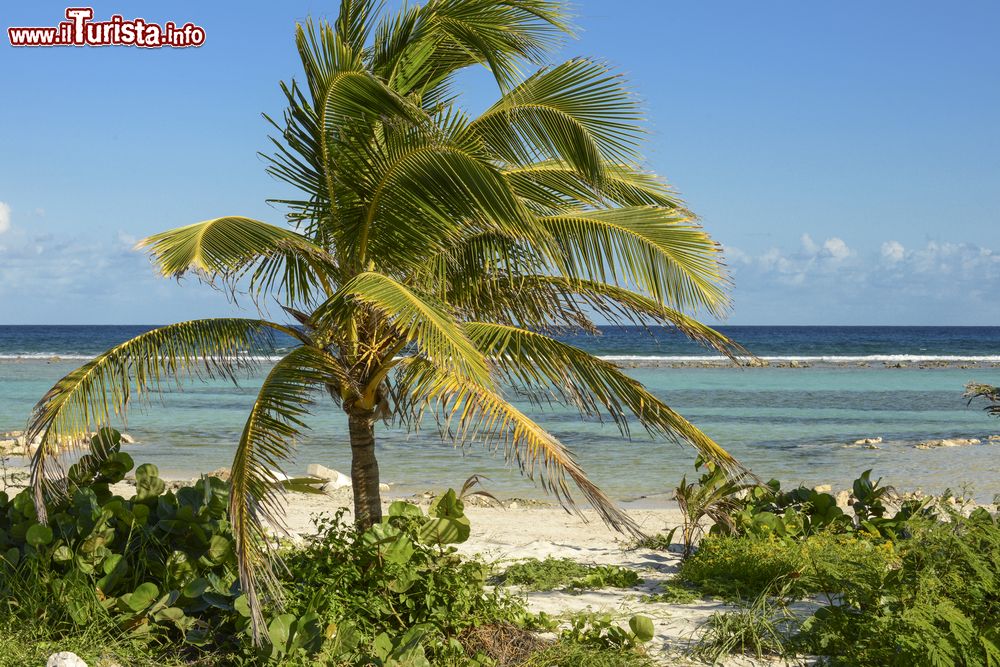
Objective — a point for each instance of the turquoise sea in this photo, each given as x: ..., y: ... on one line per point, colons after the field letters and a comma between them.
x: 795, y: 424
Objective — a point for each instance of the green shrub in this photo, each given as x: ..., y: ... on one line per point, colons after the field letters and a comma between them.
x: 159, y: 565
x: 744, y: 567
x: 940, y: 606
x: 397, y: 591
x: 565, y: 573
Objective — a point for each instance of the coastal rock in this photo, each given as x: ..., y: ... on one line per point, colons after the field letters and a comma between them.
x: 127, y: 439
x: 220, y: 473
x: 756, y: 363
x: 337, y: 479
x: 844, y: 498
x: 823, y: 488
x: 869, y: 441
x: 948, y: 442
x: 994, y: 438
x: 65, y: 659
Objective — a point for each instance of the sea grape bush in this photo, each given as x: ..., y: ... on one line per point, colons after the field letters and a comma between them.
x: 161, y: 563
x: 398, y: 593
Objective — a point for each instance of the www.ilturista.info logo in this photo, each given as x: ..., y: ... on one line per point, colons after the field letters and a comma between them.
x: 80, y: 30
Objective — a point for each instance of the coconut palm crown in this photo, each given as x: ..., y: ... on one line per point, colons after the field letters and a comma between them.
x: 429, y: 260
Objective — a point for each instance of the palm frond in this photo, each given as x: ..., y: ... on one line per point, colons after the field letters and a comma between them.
x: 416, y: 318
x: 102, y: 389
x: 266, y: 444
x: 579, y: 378
x: 355, y: 19
x: 622, y: 306
x: 470, y: 412
x: 425, y: 195
x: 233, y: 246
x: 669, y: 257
x: 421, y: 49
x: 579, y: 113
x: 556, y: 186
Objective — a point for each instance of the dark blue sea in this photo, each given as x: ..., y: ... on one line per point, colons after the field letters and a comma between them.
x: 803, y: 343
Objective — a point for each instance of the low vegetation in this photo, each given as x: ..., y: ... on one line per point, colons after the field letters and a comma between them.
x: 566, y: 574
x: 897, y: 582
x: 153, y: 580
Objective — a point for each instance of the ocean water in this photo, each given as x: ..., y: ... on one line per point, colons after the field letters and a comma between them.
x: 795, y: 424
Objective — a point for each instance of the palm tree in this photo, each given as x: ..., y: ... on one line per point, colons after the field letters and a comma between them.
x: 429, y: 259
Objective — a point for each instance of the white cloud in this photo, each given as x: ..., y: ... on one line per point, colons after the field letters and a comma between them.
x: 809, y: 245
x: 4, y: 217
x: 893, y: 251
x: 836, y: 249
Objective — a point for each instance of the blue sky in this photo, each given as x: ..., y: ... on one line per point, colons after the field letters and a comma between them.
x: 847, y: 155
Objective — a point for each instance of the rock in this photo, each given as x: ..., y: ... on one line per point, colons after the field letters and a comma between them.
x: 868, y: 441
x: 127, y: 439
x: 337, y: 479
x: 844, y: 498
x: 948, y: 442
x: 823, y: 488
x: 65, y: 659
x: 757, y: 363
x: 220, y: 473
x: 383, y: 487
x: 994, y: 438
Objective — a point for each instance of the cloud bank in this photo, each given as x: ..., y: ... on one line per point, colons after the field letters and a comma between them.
x: 829, y: 281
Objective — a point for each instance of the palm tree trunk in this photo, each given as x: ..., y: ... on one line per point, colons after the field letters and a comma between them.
x: 364, y: 471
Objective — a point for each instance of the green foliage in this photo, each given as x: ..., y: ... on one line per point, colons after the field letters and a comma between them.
x: 565, y: 573
x: 715, y: 496
x: 397, y: 593
x: 940, y: 606
x: 799, y: 512
x: 159, y: 565
x: 745, y: 566
x: 672, y: 592
x: 570, y: 654
x: 601, y: 631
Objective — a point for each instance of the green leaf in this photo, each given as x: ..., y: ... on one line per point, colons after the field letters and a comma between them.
x: 194, y: 588
x: 280, y: 630
x: 38, y: 535
x: 219, y: 549
x: 143, y: 596
x: 642, y: 627
x: 404, y: 509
